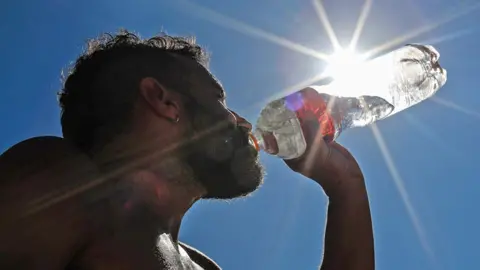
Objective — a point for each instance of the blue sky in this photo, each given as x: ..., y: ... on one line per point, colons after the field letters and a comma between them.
x: 424, y: 189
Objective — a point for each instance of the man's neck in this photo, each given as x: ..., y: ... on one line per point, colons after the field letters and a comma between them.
x: 157, y: 204
x: 157, y: 198
x: 141, y: 222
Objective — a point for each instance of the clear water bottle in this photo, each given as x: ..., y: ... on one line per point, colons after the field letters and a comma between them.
x: 382, y: 87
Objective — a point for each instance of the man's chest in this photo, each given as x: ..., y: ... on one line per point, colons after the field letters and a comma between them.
x: 123, y: 255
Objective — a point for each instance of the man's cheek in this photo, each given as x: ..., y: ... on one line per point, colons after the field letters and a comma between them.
x: 219, y: 148
x: 218, y: 145
x: 203, y: 123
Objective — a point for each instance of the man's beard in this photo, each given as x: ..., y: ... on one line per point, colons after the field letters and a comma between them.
x: 224, y: 163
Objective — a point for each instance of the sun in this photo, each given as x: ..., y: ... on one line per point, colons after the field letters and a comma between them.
x: 346, y: 67
x: 343, y: 64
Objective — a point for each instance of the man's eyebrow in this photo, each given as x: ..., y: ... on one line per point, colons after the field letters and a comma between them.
x: 223, y: 93
x: 219, y: 87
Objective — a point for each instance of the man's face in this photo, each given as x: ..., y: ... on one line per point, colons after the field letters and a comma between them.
x: 220, y: 156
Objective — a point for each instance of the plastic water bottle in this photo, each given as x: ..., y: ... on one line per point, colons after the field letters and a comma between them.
x: 379, y: 88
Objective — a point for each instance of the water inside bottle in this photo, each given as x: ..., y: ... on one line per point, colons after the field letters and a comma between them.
x: 283, y: 123
x: 403, y: 77
x: 278, y: 131
x: 381, y: 87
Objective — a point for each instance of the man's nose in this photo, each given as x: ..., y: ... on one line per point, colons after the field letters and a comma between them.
x: 242, y: 122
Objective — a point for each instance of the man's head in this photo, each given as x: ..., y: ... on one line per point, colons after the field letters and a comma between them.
x: 156, y: 101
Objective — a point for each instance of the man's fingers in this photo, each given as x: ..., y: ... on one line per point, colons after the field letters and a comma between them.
x: 321, y: 155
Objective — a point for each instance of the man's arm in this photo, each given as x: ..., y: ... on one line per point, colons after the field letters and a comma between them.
x: 349, y: 234
x: 38, y: 231
x: 349, y: 241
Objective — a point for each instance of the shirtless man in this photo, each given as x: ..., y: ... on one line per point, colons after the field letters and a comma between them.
x: 147, y: 133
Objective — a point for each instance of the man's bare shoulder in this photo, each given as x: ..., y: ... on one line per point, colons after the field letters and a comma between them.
x: 41, y: 171
x: 43, y: 220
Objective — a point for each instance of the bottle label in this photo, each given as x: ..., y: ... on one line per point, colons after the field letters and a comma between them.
x: 313, y: 112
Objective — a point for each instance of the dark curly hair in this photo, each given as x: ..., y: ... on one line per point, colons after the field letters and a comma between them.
x: 101, y: 88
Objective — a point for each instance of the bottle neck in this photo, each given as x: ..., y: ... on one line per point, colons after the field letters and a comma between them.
x: 256, y: 140
x: 265, y: 141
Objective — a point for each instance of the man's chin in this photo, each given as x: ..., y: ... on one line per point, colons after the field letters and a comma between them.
x: 230, y: 189
x: 233, y: 191
x: 245, y: 175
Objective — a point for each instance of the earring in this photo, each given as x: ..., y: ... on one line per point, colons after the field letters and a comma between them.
x: 176, y: 120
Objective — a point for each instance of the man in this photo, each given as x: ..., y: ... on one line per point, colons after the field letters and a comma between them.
x: 147, y: 133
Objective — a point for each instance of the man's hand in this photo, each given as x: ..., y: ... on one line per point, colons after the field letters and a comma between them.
x: 349, y: 234
x: 330, y: 165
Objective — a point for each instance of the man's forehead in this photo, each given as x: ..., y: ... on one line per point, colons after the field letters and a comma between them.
x: 208, y: 81
x: 201, y: 78
x: 218, y: 85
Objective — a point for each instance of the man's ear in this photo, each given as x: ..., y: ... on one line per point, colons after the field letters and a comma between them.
x: 159, y: 99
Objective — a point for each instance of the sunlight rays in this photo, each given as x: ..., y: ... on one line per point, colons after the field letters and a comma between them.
x: 288, y: 90
x: 454, y: 106
x: 230, y: 23
x: 299, y: 86
x: 422, y: 30
x: 243, y: 28
x: 399, y: 183
x: 448, y: 37
x: 424, y: 130
x: 224, y: 21
x: 360, y: 23
x: 142, y: 155
x: 322, y: 15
